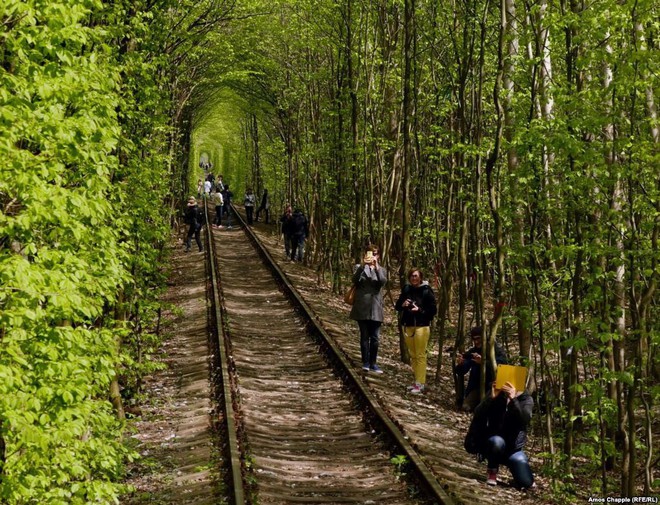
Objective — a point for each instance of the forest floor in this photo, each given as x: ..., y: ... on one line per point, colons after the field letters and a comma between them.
x: 174, y: 435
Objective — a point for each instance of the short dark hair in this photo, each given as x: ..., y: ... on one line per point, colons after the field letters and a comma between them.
x: 477, y: 331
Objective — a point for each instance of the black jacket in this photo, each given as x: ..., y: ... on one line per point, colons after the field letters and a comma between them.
x: 469, y: 365
x: 286, y: 220
x: 194, y: 216
x: 494, y: 416
x: 226, y: 198
x: 298, y: 224
x: 424, y: 298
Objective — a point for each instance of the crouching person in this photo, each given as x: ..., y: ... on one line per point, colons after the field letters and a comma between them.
x: 498, y: 433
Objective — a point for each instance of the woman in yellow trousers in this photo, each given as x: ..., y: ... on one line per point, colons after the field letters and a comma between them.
x: 417, y: 305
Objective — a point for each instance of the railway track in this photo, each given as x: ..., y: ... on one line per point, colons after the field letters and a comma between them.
x: 302, y: 427
x: 312, y: 428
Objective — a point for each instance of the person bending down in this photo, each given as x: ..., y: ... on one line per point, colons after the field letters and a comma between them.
x: 498, y: 433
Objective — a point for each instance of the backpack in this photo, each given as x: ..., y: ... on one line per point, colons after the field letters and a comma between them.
x: 199, y: 219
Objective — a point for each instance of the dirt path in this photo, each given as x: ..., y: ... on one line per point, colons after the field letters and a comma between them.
x: 174, y: 435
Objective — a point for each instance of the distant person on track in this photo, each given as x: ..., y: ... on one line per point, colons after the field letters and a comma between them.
x: 417, y: 306
x: 249, y: 201
x: 217, y: 201
x: 264, y: 207
x: 470, y: 362
x: 194, y: 217
x: 226, y: 204
x: 369, y: 278
x: 219, y: 184
x: 285, y: 227
x: 299, y: 232
x: 200, y: 188
x: 207, y: 188
x: 498, y: 433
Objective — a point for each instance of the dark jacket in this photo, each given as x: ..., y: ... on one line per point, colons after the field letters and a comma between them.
x: 423, y: 297
x: 469, y: 365
x: 286, y: 221
x: 264, y: 200
x: 299, y: 225
x: 193, y: 216
x: 494, y: 416
x: 226, y: 198
x: 368, y: 304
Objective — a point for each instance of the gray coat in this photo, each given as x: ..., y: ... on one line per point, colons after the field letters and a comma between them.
x: 368, y: 303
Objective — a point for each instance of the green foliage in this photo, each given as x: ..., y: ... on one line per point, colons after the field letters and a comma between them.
x: 82, y: 229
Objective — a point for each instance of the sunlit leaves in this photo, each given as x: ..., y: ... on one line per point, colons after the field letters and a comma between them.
x: 70, y: 240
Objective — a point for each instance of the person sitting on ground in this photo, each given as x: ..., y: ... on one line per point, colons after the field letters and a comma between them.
x: 417, y: 306
x: 498, y: 433
x: 470, y: 361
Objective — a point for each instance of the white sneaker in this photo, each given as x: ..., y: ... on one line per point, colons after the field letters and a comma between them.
x: 417, y: 389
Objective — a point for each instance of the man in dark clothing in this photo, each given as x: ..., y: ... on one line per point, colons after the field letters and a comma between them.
x: 226, y: 204
x: 471, y: 362
x: 265, y: 206
x: 194, y: 218
x: 299, y: 231
x: 285, y: 223
x: 498, y: 433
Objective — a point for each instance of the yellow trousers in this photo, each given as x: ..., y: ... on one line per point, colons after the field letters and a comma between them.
x: 417, y: 338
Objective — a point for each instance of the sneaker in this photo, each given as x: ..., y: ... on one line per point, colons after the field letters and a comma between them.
x: 417, y: 389
x: 375, y: 369
x: 365, y: 367
x: 491, y: 480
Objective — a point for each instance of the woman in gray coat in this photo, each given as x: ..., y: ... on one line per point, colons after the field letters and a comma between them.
x: 369, y: 277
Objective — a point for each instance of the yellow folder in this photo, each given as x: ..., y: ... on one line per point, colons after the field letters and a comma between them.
x: 516, y: 375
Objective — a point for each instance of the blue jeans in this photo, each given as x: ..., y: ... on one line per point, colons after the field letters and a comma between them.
x: 297, y: 247
x: 369, y: 338
x: 517, y: 463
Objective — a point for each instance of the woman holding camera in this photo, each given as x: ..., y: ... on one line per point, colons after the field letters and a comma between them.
x: 417, y: 305
x: 369, y: 278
